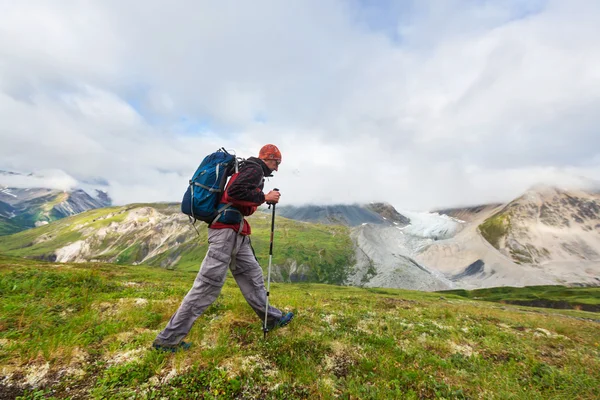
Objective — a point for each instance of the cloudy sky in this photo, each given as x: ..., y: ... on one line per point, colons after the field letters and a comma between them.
x: 418, y: 103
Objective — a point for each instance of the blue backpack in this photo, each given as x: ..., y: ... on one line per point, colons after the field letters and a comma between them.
x: 202, y: 197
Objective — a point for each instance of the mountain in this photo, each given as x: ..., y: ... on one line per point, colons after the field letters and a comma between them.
x: 468, y: 214
x: 160, y: 235
x: 546, y: 236
x: 24, y: 208
x: 547, y: 224
x: 383, y: 260
x: 381, y: 256
x: 343, y: 214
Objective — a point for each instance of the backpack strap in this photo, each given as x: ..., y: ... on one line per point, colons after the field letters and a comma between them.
x: 220, y: 212
x: 212, y: 190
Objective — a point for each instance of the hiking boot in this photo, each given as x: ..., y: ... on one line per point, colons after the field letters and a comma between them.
x: 172, y: 348
x: 283, y: 321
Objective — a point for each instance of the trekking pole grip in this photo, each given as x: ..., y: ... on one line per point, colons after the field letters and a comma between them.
x: 272, y: 224
x: 273, y: 204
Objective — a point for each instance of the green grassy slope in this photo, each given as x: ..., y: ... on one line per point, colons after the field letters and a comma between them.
x: 495, y: 228
x: 587, y: 299
x: 7, y: 227
x: 84, y: 331
x: 57, y: 234
x: 327, y: 251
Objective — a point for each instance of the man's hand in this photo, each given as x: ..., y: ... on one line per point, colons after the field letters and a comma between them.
x: 272, y: 197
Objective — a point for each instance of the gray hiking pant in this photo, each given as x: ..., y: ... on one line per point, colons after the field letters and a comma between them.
x: 226, y: 249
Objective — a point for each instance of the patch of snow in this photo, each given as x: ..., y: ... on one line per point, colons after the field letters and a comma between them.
x: 7, y: 191
x: 432, y: 225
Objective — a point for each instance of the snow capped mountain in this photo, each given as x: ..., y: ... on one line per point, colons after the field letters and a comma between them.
x: 23, y: 207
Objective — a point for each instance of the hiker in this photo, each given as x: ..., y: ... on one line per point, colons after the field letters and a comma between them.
x: 230, y: 247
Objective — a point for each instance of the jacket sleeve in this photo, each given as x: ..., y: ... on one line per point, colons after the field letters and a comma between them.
x: 246, y: 190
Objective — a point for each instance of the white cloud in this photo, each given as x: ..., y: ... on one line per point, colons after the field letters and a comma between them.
x: 51, y: 179
x: 423, y: 104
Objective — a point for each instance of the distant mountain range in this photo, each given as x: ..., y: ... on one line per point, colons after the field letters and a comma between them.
x: 546, y: 236
x: 24, y: 208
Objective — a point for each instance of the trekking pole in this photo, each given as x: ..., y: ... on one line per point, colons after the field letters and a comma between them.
x: 265, y: 328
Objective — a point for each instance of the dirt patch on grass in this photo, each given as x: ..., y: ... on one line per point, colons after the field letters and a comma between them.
x: 9, y: 392
x: 501, y: 356
x: 341, y: 360
x: 388, y: 303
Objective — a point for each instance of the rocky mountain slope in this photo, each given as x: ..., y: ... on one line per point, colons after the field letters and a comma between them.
x: 547, y: 224
x: 383, y: 259
x: 546, y: 236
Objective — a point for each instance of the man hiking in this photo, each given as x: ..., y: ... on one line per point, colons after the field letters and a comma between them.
x: 230, y: 247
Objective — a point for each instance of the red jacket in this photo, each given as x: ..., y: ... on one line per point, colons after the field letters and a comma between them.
x: 245, y: 191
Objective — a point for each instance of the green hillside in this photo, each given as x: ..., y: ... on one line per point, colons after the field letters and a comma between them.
x: 84, y: 331
x: 132, y: 235
x: 495, y: 228
x: 7, y: 227
x: 586, y: 298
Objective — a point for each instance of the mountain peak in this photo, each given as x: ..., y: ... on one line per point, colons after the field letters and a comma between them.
x: 345, y: 214
x: 388, y: 212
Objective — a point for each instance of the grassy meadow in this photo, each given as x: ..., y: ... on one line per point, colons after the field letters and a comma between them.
x: 85, y: 331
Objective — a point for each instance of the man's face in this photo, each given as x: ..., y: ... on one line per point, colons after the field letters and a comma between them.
x: 273, y: 164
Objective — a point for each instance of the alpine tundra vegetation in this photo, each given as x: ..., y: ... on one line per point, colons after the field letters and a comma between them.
x: 84, y: 331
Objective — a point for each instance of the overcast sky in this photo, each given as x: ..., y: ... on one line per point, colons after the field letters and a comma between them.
x: 421, y: 104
